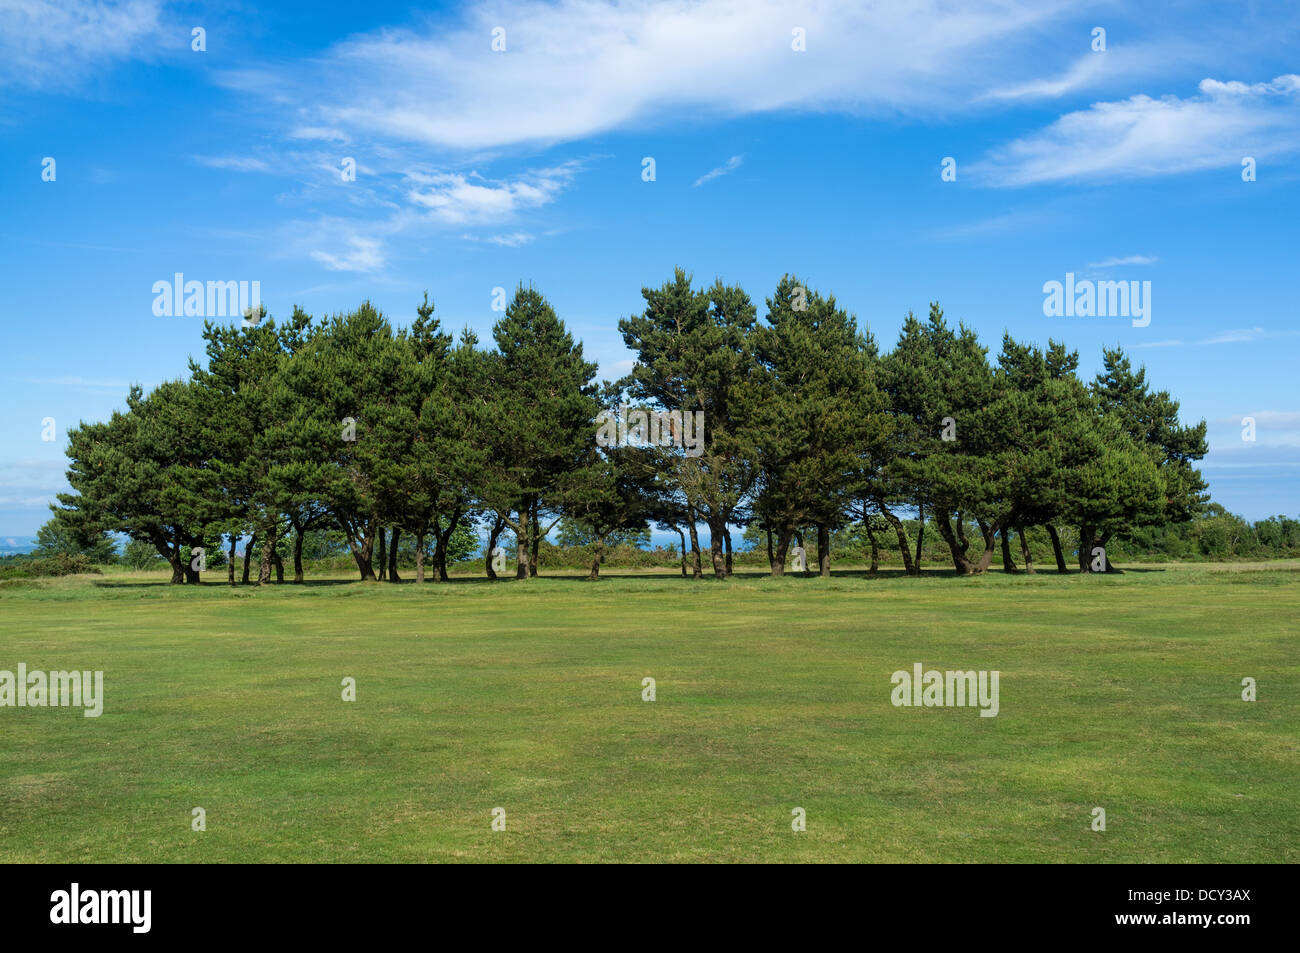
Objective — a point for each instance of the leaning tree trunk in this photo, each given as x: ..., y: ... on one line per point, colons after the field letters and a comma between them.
x: 1008, y: 565
x: 1024, y: 550
x: 1061, y: 567
x: 522, y: 548
x: 920, y: 532
x: 823, y: 550
x: 248, y: 557
x: 230, y: 560
x: 697, y: 570
x: 909, y: 568
x: 681, y: 535
x: 498, y: 525
x: 875, y: 547
x: 392, y: 556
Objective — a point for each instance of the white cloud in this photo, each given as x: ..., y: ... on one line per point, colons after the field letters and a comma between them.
x: 1128, y: 260
x: 730, y: 166
x: 1143, y: 137
x: 366, y: 255
x: 57, y: 43
x: 234, y: 163
x: 459, y: 199
x: 576, y: 68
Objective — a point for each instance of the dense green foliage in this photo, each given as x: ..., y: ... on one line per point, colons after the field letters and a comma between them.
x: 402, y: 441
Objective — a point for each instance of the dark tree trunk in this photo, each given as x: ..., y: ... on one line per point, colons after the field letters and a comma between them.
x: 598, y: 558
x: 363, y: 550
x: 536, y: 532
x: 726, y: 544
x: 498, y: 525
x: 297, y: 555
x: 697, y: 570
x: 1086, y: 542
x: 248, y: 557
x: 715, y: 548
x: 268, y: 552
x: 230, y: 560
x: 1061, y: 567
x: 523, y: 548
x: 392, y: 556
x: 920, y: 533
x: 823, y: 550
x: 771, y: 556
x: 278, y: 563
x: 875, y: 547
x: 1008, y: 565
x: 681, y: 535
x: 381, y: 556
x: 1024, y: 550
x: 419, y: 558
x: 776, y: 561
x: 910, y: 568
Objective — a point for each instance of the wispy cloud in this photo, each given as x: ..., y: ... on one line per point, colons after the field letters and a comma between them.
x: 576, y: 68
x: 58, y: 43
x: 1142, y: 137
x: 1128, y: 260
x: 458, y: 199
x: 234, y: 163
x: 364, y: 254
x: 730, y: 165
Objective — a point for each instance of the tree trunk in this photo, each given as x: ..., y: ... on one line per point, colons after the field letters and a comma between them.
x: 382, y: 554
x: 920, y: 533
x: 697, y: 570
x: 823, y: 550
x: 392, y: 556
x: 297, y: 555
x: 1108, y: 566
x: 536, y: 532
x: 363, y: 550
x: 230, y: 560
x: 498, y: 525
x: 776, y: 561
x: 1024, y: 550
x: 1085, y: 548
x: 715, y: 548
x: 523, y: 549
x: 1008, y: 565
x: 600, y: 555
x: 875, y: 547
x: 248, y: 557
x: 771, y: 557
x: 419, y: 558
x: 681, y: 535
x: 1061, y: 567
x: 278, y: 563
x: 191, y: 574
x: 910, y: 568
x: 268, y: 550
x: 726, y: 544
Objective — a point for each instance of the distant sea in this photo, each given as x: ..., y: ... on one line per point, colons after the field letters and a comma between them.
x: 9, y: 545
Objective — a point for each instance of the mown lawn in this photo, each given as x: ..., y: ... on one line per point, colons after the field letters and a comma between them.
x: 1122, y: 692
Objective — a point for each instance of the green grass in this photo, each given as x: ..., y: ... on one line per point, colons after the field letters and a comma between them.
x: 1121, y: 692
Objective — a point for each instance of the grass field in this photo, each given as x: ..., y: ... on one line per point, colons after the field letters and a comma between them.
x: 1121, y: 692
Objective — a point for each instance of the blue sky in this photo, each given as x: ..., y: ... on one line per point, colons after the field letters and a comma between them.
x: 479, y: 168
